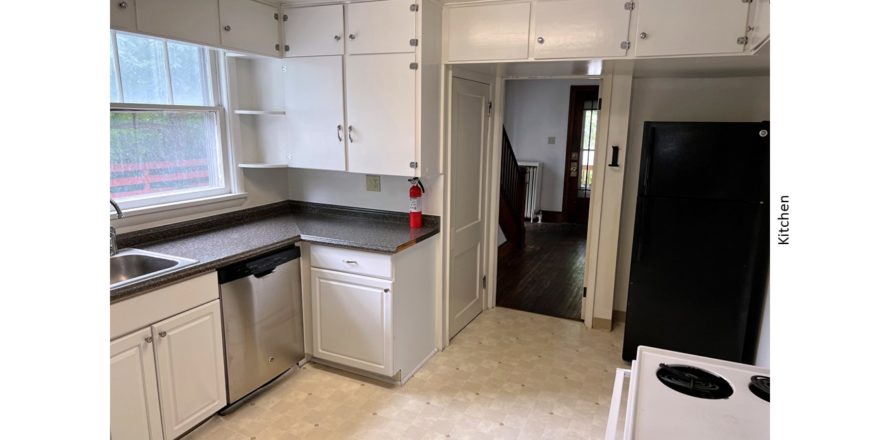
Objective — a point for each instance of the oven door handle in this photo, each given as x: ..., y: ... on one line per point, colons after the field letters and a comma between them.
x: 614, y: 410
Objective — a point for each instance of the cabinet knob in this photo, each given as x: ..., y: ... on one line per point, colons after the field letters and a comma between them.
x: 227, y: 28
x: 148, y: 339
x: 163, y: 334
x: 540, y: 40
x: 386, y: 290
x: 352, y: 36
x: 643, y: 35
x: 350, y: 261
x: 337, y: 37
x: 123, y: 5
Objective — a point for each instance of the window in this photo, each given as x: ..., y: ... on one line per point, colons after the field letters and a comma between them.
x: 165, y: 122
x: 588, y: 146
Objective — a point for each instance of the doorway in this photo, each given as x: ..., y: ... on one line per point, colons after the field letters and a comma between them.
x: 547, y: 160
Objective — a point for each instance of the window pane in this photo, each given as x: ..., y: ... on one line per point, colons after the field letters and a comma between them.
x: 189, y: 76
x: 114, y: 87
x: 142, y: 64
x: 161, y: 153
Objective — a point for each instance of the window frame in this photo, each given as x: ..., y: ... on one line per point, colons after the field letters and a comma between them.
x: 216, y: 77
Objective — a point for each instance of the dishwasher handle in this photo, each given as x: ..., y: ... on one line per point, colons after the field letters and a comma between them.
x: 257, y: 267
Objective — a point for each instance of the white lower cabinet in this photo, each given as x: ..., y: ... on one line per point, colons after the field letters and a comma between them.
x: 134, y: 395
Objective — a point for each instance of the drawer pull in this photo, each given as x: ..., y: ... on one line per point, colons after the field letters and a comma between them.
x: 350, y: 261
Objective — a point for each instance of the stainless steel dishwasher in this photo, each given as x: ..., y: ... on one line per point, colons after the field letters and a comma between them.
x: 261, y: 302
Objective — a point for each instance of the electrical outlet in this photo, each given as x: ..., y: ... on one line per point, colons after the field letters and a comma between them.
x: 374, y: 183
x: 551, y: 140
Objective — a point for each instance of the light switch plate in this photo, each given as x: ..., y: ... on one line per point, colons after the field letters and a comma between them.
x: 551, y: 140
x: 374, y: 183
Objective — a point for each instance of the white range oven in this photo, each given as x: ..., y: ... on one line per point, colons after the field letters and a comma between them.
x: 680, y: 396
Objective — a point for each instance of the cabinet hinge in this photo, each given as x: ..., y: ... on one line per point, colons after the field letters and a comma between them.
x: 746, y: 1
x: 414, y: 66
x: 585, y: 292
x: 413, y: 165
x: 277, y: 48
x: 286, y: 49
x: 414, y: 42
x: 283, y: 17
x: 629, y: 6
x: 414, y: 7
x: 742, y: 40
x: 625, y: 45
x: 485, y: 283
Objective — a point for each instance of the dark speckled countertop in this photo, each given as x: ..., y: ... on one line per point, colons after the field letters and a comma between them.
x: 228, y: 238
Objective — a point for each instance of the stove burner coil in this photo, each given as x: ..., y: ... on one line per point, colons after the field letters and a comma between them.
x: 694, y: 382
x: 760, y: 386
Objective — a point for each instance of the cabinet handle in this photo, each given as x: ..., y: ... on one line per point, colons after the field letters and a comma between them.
x: 123, y: 5
x: 227, y: 28
x: 386, y: 290
x: 337, y: 37
x: 643, y: 35
x: 339, y: 132
x: 352, y: 36
x: 540, y: 40
x: 350, y: 261
x: 163, y: 334
x: 148, y: 339
x: 350, y: 138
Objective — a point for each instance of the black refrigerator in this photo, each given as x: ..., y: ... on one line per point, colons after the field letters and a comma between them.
x: 701, y: 245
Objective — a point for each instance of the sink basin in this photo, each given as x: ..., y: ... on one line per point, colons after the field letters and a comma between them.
x: 130, y: 265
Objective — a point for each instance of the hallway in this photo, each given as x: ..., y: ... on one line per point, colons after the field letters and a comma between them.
x: 547, y: 275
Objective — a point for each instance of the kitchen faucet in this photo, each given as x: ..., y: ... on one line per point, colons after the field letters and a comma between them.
x: 112, y: 229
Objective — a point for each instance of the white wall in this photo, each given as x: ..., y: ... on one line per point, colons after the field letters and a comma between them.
x: 536, y: 109
x: 726, y: 99
x: 349, y: 189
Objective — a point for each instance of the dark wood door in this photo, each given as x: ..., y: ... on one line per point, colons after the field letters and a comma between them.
x: 580, y: 151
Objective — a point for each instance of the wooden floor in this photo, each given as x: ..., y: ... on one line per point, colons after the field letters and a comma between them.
x: 547, y: 276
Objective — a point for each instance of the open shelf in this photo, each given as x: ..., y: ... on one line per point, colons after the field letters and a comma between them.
x: 260, y: 112
x: 262, y: 165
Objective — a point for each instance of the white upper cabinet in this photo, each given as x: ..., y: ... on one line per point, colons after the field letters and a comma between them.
x: 579, y: 29
x: 122, y: 15
x: 381, y: 27
x: 195, y: 21
x: 490, y: 31
x: 314, y: 101
x: 249, y: 26
x: 690, y: 27
x: 134, y: 396
x: 759, y: 23
x: 316, y: 30
x: 381, y: 104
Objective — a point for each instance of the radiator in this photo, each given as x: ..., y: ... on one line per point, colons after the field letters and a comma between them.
x: 533, y: 190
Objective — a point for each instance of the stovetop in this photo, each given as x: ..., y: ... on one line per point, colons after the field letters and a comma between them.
x: 683, y: 396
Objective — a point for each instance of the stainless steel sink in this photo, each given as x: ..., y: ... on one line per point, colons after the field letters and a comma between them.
x: 130, y: 265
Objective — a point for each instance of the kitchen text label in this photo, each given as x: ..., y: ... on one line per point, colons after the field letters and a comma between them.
x: 784, y: 219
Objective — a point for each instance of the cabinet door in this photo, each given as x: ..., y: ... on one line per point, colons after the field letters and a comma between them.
x: 381, y: 27
x: 491, y: 31
x: 315, y: 30
x: 579, y: 29
x: 196, y: 21
x: 313, y: 97
x: 122, y: 15
x: 134, y: 396
x: 192, y: 375
x: 690, y: 27
x: 249, y: 26
x: 381, y: 101
x: 759, y: 22
x: 351, y: 320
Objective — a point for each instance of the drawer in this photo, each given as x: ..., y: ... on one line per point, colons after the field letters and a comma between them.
x: 351, y: 261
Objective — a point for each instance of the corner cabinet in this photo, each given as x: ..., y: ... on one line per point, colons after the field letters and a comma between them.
x: 371, y: 312
x: 168, y: 376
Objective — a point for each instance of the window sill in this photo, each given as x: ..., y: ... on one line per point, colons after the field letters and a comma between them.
x: 212, y: 203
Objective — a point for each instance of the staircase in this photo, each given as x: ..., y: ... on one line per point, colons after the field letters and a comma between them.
x: 510, y: 215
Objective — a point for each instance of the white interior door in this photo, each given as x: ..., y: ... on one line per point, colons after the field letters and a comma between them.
x: 380, y: 95
x: 134, y: 395
x: 314, y: 104
x: 467, y: 176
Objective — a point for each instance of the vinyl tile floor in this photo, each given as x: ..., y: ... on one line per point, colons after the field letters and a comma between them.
x: 507, y: 375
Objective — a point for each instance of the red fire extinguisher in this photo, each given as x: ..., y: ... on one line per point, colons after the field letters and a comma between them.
x: 415, y: 202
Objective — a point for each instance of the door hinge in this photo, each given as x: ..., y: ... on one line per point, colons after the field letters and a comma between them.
x: 629, y: 6
x: 599, y: 106
x: 585, y: 292
x: 277, y: 48
x: 489, y: 110
x: 414, y: 66
x: 625, y: 45
x: 284, y: 17
x: 414, y: 42
x: 485, y: 283
x: 413, y: 165
x: 286, y: 49
x: 414, y: 7
x: 742, y: 40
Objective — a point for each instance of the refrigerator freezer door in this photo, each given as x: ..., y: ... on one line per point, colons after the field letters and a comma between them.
x: 697, y: 275
x: 711, y: 160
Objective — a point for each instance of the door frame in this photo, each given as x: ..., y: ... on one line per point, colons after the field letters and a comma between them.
x: 569, y: 206
x: 442, y: 313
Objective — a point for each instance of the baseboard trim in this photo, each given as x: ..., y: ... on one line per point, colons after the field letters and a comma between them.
x: 601, y: 324
x: 618, y: 315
